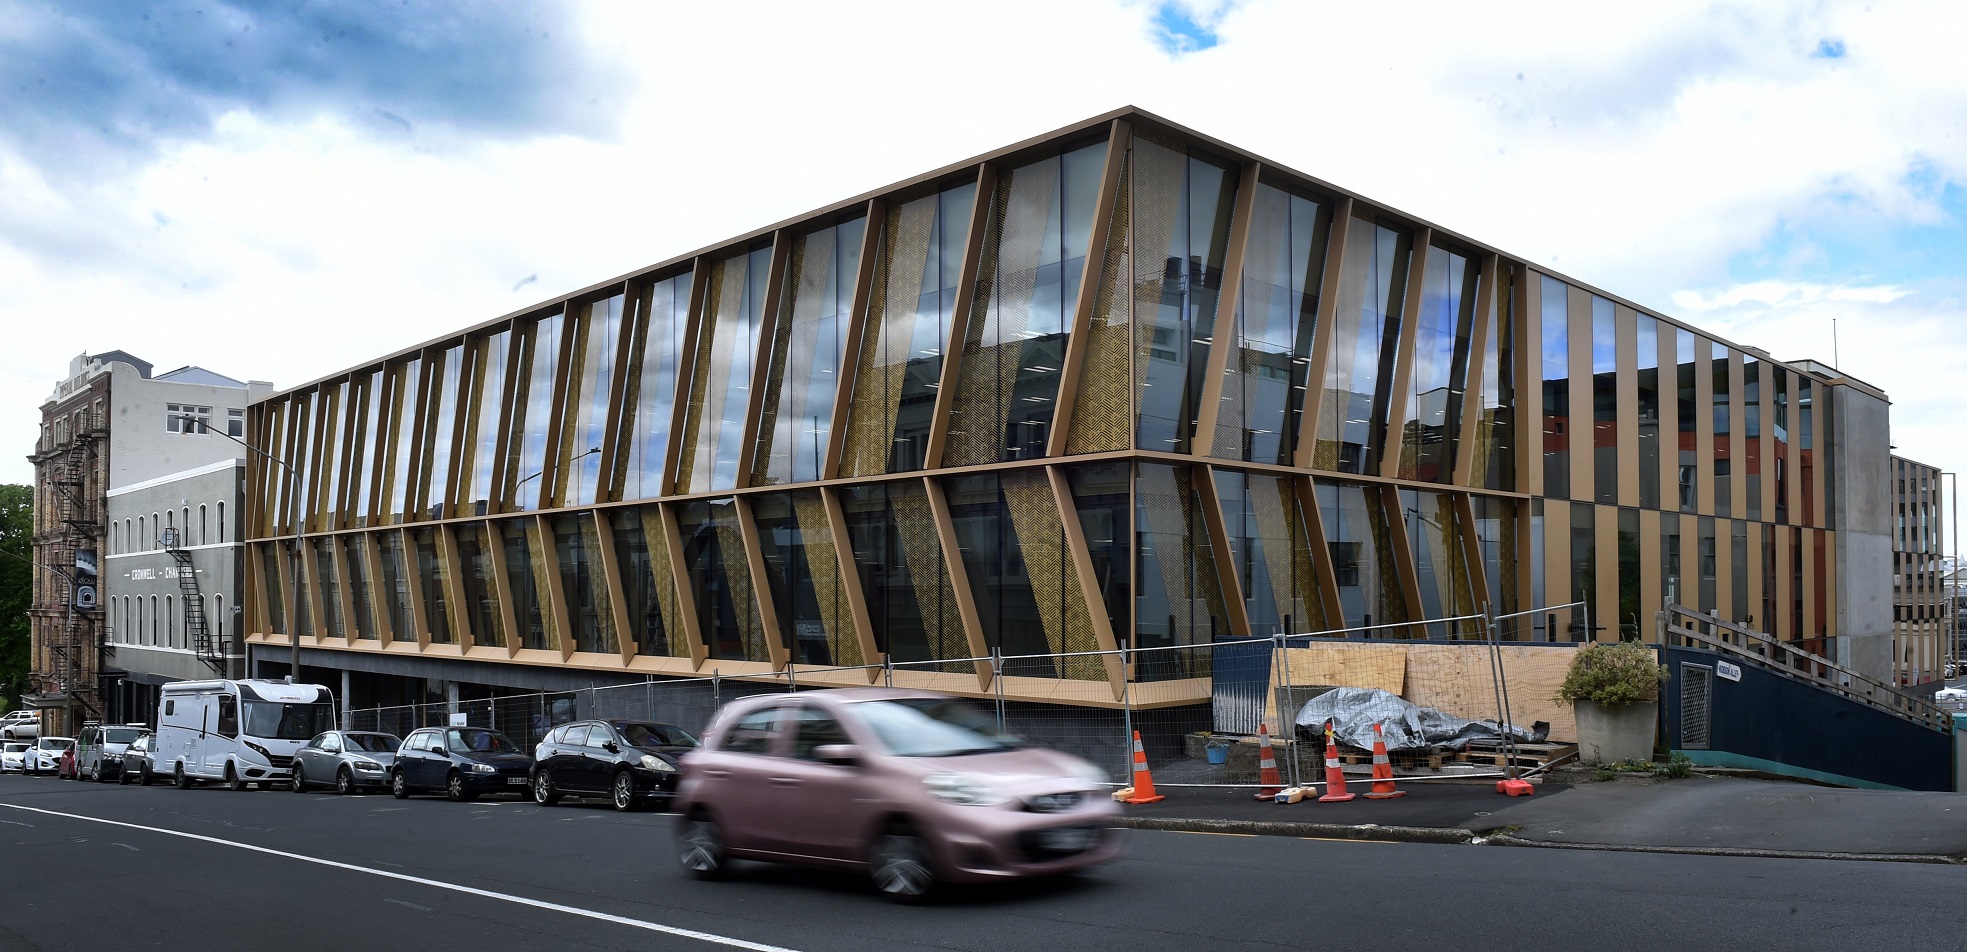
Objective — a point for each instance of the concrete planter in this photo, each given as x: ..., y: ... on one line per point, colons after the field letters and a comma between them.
x: 1610, y: 735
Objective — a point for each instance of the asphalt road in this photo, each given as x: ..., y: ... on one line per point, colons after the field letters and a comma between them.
x: 211, y: 869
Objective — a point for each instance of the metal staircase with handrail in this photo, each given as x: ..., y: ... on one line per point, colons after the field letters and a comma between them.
x: 196, y: 625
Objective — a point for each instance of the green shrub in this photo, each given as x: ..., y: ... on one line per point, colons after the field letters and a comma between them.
x: 1613, y: 674
x: 1679, y: 767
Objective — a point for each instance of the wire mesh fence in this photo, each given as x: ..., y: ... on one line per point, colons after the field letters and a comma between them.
x: 1197, y: 708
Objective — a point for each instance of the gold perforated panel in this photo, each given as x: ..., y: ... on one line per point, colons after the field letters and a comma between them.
x: 1000, y: 319
x: 675, y: 632
x: 710, y: 388
x: 1054, y: 583
x: 737, y: 575
x: 887, y: 344
x: 922, y: 550
x: 1103, y: 408
x: 816, y: 536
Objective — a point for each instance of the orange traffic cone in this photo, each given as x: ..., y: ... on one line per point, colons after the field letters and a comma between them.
x: 1382, y: 771
x: 1267, y: 766
x: 1334, y: 776
x: 1143, y: 783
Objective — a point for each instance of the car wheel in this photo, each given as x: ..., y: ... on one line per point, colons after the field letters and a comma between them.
x: 454, y: 790
x: 144, y: 777
x: 544, y: 792
x: 344, y: 781
x: 624, y: 791
x: 899, y: 863
x: 299, y: 783
x: 177, y: 776
x: 122, y: 778
x: 700, y: 848
x: 398, y: 788
x: 97, y: 775
x: 232, y: 781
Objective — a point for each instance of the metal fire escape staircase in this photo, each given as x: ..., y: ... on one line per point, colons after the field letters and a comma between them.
x: 196, y: 625
x: 79, y: 524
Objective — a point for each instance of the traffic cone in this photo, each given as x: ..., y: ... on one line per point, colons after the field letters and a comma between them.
x: 1267, y: 766
x: 1334, y: 775
x: 1382, y: 771
x: 1143, y: 783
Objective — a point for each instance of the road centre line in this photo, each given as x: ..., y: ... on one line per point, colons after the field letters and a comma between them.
x: 439, y: 884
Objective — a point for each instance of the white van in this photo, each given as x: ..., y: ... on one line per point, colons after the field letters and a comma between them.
x: 240, y: 732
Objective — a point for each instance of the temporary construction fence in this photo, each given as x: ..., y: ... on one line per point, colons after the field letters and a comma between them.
x: 1197, y: 708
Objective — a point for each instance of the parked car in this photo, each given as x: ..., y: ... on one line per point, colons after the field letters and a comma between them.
x: 629, y: 762
x: 915, y: 788
x: 463, y: 762
x: 66, y: 769
x: 13, y: 756
x: 348, y: 759
x: 1950, y: 694
x: 140, y: 761
x: 21, y: 725
x: 99, y: 751
x: 45, y: 756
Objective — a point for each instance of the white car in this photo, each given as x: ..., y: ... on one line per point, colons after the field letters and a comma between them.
x: 21, y: 725
x: 45, y: 755
x: 1950, y: 694
x: 13, y: 757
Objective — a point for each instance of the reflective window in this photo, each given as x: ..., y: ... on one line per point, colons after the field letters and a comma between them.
x: 1752, y: 434
x: 590, y: 612
x: 1672, y: 582
x: 1027, y: 284
x: 1647, y: 336
x: 328, y: 581
x: 1026, y: 590
x: 642, y: 559
x: 1434, y: 534
x: 1706, y: 555
x: 1276, y: 320
x: 440, y: 430
x: 484, y: 384
x: 396, y: 585
x: 328, y: 489
x: 481, y: 609
x: 1271, y: 549
x: 432, y: 576
x: 1365, y: 340
x: 537, y: 353
x: 270, y: 588
x: 1101, y: 497
x: 808, y: 594
x: 1629, y: 608
x: 1496, y: 535
x: 719, y: 577
x: 1584, y: 570
x: 809, y: 341
x: 1556, y: 362
x: 597, y: 335
x: 1688, y: 419
x: 1180, y: 601
x: 720, y: 386
x: 661, y: 318
x: 525, y: 568
x: 1806, y: 470
x: 1723, y: 460
x: 1738, y: 568
x: 1604, y: 401
x: 1181, y: 220
x: 1450, y: 287
x: 1358, y: 539
x: 899, y: 557
x: 1779, y: 431
x: 917, y: 266
x: 406, y: 381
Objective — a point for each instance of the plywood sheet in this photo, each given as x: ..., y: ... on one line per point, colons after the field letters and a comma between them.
x: 1452, y: 678
x: 1382, y: 666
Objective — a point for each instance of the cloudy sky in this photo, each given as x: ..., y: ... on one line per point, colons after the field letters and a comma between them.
x: 280, y: 191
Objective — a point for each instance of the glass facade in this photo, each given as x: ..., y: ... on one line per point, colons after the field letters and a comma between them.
x: 838, y: 442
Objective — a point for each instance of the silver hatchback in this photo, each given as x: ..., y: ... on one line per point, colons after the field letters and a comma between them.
x: 347, y: 760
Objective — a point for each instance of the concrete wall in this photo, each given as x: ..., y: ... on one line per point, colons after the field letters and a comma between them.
x: 138, y: 569
x: 1860, y: 503
x: 143, y: 448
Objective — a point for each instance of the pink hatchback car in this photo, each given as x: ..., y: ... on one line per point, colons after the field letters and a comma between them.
x: 915, y: 788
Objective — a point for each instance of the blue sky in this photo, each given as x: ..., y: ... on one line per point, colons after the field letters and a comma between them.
x: 216, y: 182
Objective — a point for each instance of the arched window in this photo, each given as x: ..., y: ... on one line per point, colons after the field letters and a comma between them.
x: 142, y: 536
x: 202, y: 525
x: 221, y: 520
x: 157, y: 525
x: 218, y: 621
x: 153, y: 620
x: 187, y: 527
x: 171, y: 623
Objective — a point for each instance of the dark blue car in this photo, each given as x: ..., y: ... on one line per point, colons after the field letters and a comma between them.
x: 463, y: 762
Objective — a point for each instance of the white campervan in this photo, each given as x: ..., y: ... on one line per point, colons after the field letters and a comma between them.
x: 240, y: 732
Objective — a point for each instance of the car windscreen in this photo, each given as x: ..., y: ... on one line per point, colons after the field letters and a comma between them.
x: 932, y: 727
x: 480, y: 742
x: 657, y: 735
x: 287, y: 721
x: 374, y: 743
x: 120, y: 735
x: 57, y: 743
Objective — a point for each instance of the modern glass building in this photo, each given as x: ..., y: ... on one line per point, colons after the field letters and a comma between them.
x: 1122, y: 384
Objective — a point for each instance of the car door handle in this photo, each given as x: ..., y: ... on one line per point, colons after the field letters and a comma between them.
x: 785, y: 781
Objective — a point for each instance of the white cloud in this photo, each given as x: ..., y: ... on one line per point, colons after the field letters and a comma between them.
x: 1640, y: 149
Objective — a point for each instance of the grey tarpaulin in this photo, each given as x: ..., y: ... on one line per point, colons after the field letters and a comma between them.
x: 1407, y: 726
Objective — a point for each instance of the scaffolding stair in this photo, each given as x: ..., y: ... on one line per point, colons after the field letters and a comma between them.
x: 196, y: 625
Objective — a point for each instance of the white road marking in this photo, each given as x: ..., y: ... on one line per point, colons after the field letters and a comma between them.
x: 17, y: 823
x: 405, y: 902
x: 127, y: 847
x: 677, y: 931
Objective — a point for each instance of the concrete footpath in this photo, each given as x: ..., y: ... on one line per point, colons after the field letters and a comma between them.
x: 1701, y: 814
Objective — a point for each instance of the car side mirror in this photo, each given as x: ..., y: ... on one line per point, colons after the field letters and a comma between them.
x: 611, y: 747
x: 839, y: 755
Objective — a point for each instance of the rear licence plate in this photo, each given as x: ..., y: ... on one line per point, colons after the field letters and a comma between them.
x: 1066, y: 840
x: 515, y: 781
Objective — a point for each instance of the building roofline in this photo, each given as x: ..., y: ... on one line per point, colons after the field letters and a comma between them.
x: 1130, y: 112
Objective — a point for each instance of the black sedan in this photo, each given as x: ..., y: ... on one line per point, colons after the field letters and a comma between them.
x: 628, y: 762
x: 463, y: 762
